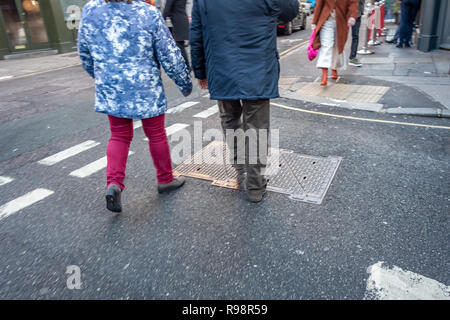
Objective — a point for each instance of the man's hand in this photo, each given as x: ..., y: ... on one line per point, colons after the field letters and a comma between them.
x: 203, y: 84
x: 351, y: 22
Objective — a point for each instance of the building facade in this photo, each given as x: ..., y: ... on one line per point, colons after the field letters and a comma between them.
x: 34, y: 25
x: 434, y: 25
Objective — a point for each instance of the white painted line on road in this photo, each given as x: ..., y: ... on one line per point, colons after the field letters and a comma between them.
x: 24, y: 201
x: 181, y: 107
x: 5, y: 180
x: 92, y: 168
x: 137, y: 124
x: 173, y: 128
x: 397, y: 284
x: 5, y: 77
x: 208, y: 112
x: 60, y: 156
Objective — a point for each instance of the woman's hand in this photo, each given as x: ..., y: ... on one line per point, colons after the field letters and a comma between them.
x: 313, y: 26
x: 203, y: 84
x: 351, y: 22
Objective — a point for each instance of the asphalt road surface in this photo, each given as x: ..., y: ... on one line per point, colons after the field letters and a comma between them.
x: 389, y: 201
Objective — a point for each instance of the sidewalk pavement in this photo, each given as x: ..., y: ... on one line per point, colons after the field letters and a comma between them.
x: 392, y: 80
x: 17, y: 68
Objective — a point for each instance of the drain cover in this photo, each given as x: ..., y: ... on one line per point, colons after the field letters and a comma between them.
x: 302, y: 177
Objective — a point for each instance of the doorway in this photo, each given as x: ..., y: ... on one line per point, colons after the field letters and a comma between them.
x: 24, y: 24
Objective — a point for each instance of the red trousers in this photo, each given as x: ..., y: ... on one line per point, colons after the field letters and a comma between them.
x: 119, y: 145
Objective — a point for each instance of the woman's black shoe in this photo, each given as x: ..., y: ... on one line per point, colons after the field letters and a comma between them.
x: 399, y: 46
x: 113, y: 198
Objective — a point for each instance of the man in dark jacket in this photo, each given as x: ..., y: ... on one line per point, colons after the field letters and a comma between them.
x: 176, y: 11
x: 234, y: 54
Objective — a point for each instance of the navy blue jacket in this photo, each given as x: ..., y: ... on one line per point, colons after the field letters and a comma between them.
x: 234, y: 46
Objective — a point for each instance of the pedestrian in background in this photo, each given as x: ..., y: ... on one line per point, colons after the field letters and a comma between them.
x: 409, y: 11
x: 176, y: 11
x: 332, y: 19
x: 240, y: 67
x: 122, y: 45
x: 355, y: 35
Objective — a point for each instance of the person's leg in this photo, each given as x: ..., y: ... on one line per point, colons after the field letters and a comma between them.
x: 159, y: 147
x: 256, y: 116
x: 324, y: 60
x: 180, y: 45
x: 230, y: 115
x: 404, y: 22
x: 355, y: 38
x: 411, y: 21
x: 397, y: 34
x: 117, y: 150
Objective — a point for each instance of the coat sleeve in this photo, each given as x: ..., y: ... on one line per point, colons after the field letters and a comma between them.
x: 289, y: 9
x: 169, y: 55
x: 196, y: 42
x: 352, y: 9
x: 83, y: 49
x: 168, y: 9
x: 317, y: 11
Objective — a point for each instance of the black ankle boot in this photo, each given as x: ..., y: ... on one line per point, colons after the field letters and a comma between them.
x: 113, y: 198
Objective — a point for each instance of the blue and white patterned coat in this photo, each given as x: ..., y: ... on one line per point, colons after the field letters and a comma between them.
x: 122, y: 46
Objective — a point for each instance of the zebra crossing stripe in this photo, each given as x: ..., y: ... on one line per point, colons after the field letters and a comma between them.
x: 5, y: 180
x: 92, y: 168
x: 208, y: 112
x: 173, y: 128
x: 137, y: 124
x: 60, y: 156
x: 24, y: 201
x: 181, y: 107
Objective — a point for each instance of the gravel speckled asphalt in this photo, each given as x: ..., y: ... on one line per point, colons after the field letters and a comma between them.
x: 389, y: 201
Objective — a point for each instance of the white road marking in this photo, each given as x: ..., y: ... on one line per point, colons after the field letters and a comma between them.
x: 208, y: 112
x: 24, y: 201
x: 181, y: 107
x: 397, y: 284
x: 137, y: 124
x: 60, y: 156
x: 173, y: 128
x: 5, y: 180
x: 5, y: 77
x: 92, y: 167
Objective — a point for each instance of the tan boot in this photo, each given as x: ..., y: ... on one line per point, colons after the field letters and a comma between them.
x: 324, y: 77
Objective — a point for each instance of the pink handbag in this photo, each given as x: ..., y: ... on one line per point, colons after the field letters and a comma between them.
x: 312, y: 54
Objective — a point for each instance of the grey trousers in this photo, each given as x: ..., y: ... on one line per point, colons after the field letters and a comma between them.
x: 255, y: 115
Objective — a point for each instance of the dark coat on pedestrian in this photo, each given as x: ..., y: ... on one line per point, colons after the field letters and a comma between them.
x: 234, y: 46
x: 176, y: 11
x: 344, y: 10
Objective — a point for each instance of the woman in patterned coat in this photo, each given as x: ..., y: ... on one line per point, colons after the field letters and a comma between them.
x: 122, y: 45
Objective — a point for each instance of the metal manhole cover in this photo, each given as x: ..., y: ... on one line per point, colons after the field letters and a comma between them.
x: 302, y: 177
